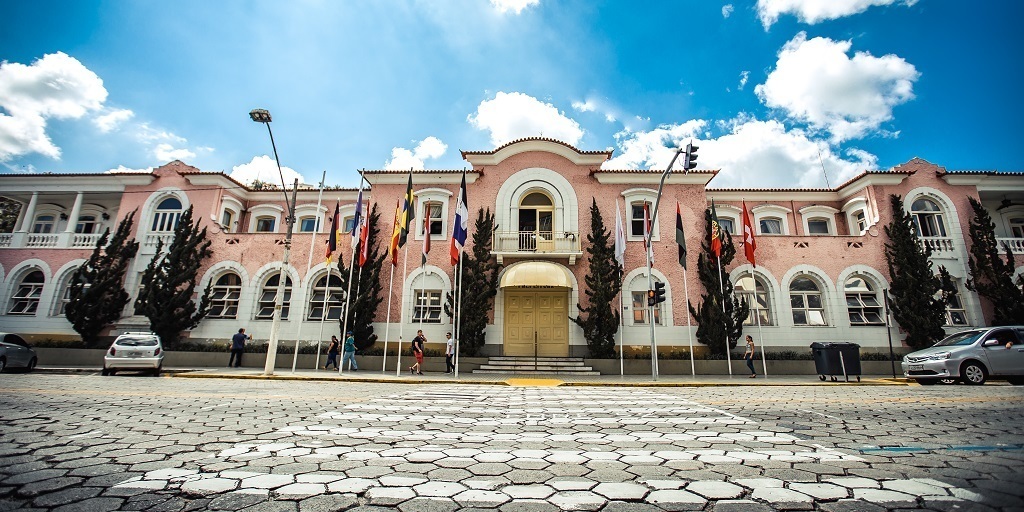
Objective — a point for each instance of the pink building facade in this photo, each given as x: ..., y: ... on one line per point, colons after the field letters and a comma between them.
x: 820, y: 262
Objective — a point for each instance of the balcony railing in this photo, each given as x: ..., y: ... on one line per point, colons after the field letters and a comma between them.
x: 536, y: 243
x: 6, y: 239
x: 1016, y: 244
x: 937, y: 244
x: 80, y: 241
x: 35, y: 240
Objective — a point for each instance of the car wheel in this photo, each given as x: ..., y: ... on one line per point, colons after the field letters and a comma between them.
x: 973, y: 373
x: 3, y: 364
x: 927, y: 382
x: 105, y: 372
x: 31, y: 365
x: 156, y: 372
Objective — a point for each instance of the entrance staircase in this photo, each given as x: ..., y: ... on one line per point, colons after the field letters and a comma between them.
x: 512, y: 365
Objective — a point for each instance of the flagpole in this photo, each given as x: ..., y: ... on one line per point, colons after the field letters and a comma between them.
x: 387, y: 324
x: 622, y: 323
x: 455, y: 311
x: 721, y: 287
x: 401, y: 317
x: 458, y: 332
x: 323, y: 316
x: 309, y: 265
x: 620, y: 258
x: 689, y: 334
x: 764, y: 361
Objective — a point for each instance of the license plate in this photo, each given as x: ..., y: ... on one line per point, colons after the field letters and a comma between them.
x: 134, y: 354
x: 915, y: 367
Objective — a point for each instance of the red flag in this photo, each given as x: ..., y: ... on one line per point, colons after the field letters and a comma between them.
x: 393, y: 248
x: 364, y: 238
x: 716, y: 232
x: 332, y: 240
x: 749, y: 244
x: 426, y: 236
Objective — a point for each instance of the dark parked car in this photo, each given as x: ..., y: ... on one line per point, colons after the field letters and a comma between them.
x: 15, y: 353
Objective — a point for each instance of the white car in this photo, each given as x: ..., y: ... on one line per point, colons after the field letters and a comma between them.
x: 136, y: 351
x: 971, y: 356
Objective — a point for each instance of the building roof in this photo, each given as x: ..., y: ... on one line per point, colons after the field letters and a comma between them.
x: 607, y: 153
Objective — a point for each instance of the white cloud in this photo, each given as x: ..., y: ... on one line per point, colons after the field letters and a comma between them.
x: 515, y: 6
x: 752, y: 154
x: 652, y: 149
x: 744, y: 76
x: 56, y: 86
x: 264, y: 169
x: 165, y: 152
x: 815, y: 11
x: 112, y: 119
x: 727, y: 10
x: 121, y: 168
x: 583, y: 106
x: 514, y: 115
x: 814, y: 81
x: 430, y: 147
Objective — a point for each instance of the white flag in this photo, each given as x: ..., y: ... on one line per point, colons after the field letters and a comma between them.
x: 620, y: 237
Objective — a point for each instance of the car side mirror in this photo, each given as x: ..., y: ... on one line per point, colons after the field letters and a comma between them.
x: 991, y: 343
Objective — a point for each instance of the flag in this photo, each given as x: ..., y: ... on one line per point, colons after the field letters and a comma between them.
x: 620, y: 237
x: 716, y: 232
x: 749, y: 244
x: 408, y: 212
x: 332, y: 240
x: 364, y: 239
x: 680, y: 237
x: 396, y: 234
x: 426, y: 238
x: 648, y: 242
x: 461, y: 228
x: 356, y: 222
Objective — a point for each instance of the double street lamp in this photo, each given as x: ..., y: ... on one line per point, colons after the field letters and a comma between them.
x: 260, y: 115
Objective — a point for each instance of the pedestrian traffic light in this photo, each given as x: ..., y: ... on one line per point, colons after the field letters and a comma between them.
x: 690, y: 160
x: 650, y: 298
x: 659, y: 293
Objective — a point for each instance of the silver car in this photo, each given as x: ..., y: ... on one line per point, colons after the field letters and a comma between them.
x: 135, y: 351
x: 971, y: 356
x: 15, y: 353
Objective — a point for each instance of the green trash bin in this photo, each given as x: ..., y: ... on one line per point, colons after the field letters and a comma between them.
x: 836, y: 359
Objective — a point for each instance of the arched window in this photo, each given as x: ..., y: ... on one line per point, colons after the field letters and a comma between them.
x: 862, y: 302
x: 334, y: 301
x: 759, y: 308
x: 61, y: 307
x: 536, y: 216
x: 819, y: 226
x: 265, y: 224
x: 927, y: 218
x: 1017, y: 227
x: 86, y: 225
x: 309, y: 224
x: 44, y: 224
x: 956, y: 314
x: 805, y: 300
x: 25, y: 300
x: 265, y: 306
x: 860, y: 222
x: 770, y: 226
x: 434, y: 210
x: 639, y: 303
x: 224, y: 296
x: 165, y: 219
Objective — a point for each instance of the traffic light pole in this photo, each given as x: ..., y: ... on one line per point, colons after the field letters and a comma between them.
x: 650, y: 278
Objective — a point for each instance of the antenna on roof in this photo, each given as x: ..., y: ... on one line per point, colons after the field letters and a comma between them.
x: 822, y: 164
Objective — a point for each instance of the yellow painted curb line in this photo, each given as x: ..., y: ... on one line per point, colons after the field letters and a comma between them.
x: 527, y: 382
x: 333, y: 379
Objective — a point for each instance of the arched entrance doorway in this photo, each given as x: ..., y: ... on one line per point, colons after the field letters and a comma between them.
x: 536, y: 309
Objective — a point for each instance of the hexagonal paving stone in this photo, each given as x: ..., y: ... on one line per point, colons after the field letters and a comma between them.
x: 820, y: 491
x: 439, y: 489
x: 401, y: 481
x: 621, y: 491
x: 883, y: 496
x: 578, y: 500
x: 784, y: 498
x: 351, y: 485
x: 302, y: 489
x: 528, y: 491
x: 493, y: 457
x: 267, y: 481
x: 715, y: 490
x: 673, y: 499
x: 489, y: 468
x: 388, y: 496
x: 481, y: 498
x: 429, y: 505
x: 571, y: 484
x: 209, y: 485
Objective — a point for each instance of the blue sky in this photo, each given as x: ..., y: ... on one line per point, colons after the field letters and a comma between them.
x: 764, y: 86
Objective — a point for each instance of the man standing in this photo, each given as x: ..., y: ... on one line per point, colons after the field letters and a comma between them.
x: 417, y: 350
x: 237, y: 347
x: 350, y: 352
x: 449, y: 354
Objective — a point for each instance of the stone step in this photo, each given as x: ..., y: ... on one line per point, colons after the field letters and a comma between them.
x: 533, y: 372
x: 539, y: 367
x: 565, y: 364
x: 541, y: 358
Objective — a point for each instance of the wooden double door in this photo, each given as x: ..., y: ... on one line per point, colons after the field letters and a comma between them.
x: 536, y: 314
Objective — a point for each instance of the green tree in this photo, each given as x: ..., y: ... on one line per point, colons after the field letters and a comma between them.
x: 713, y: 324
x: 916, y: 293
x: 367, y: 288
x: 991, y: 275
x: 97, y: 294
x: 480, y: 277
x: 9, y: 211
x: 604, y: 281
x: 169, y: 282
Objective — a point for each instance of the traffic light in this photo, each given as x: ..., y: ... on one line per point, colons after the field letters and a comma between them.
x: 659, y: 292
x: 690, y: 160
x: 650, y: 298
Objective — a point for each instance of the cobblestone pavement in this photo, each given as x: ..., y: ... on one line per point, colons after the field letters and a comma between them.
x: 84, y: 442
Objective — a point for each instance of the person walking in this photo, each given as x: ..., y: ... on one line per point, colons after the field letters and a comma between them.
x: 749, y: 356
x: 417, y: 350
x: 332, y: 353
x: 449, y: 354
x: 237, y: 348
x: 350, y: 352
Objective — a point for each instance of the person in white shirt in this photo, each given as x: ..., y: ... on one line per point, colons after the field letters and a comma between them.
x: 449, y: 354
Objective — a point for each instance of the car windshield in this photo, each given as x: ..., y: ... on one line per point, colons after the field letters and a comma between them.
x: 960, y: 339
x: 137, y: 342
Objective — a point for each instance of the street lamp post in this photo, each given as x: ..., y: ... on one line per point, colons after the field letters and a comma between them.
x: 262, y: 116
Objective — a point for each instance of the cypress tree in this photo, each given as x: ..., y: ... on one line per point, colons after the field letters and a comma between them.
x: 603, y: 280
x: 991, y: 276
x: 480, y: 278
x: 916, y: 294
x: 9, y: 211
x: 97, y: 294
x: 169, y: 282
x: 713, y: 324
x: 366, y: 289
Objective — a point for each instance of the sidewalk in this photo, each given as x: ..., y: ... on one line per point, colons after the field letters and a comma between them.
x: 508, y: 380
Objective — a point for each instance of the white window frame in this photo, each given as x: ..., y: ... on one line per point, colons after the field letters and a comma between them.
x: 234, y: 206
x: 265, y: 300
x: 316, y: 224
x: 263, y: 211
x: 928, y: 215
x: 659, y: 314
x: 432, y: 195
x: 862, y: 307
x: 232, y: 295
x: 768, y: 211
x: 756, y: 305
x: 165, y: 221
x: 26, y: 295
x: 959, y: 309
x: 853, y: 223
x: 819, y: 212
x: 430, y: 308
x: 805, y: 296
x: 640, y: 196
x: 335, y: 302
